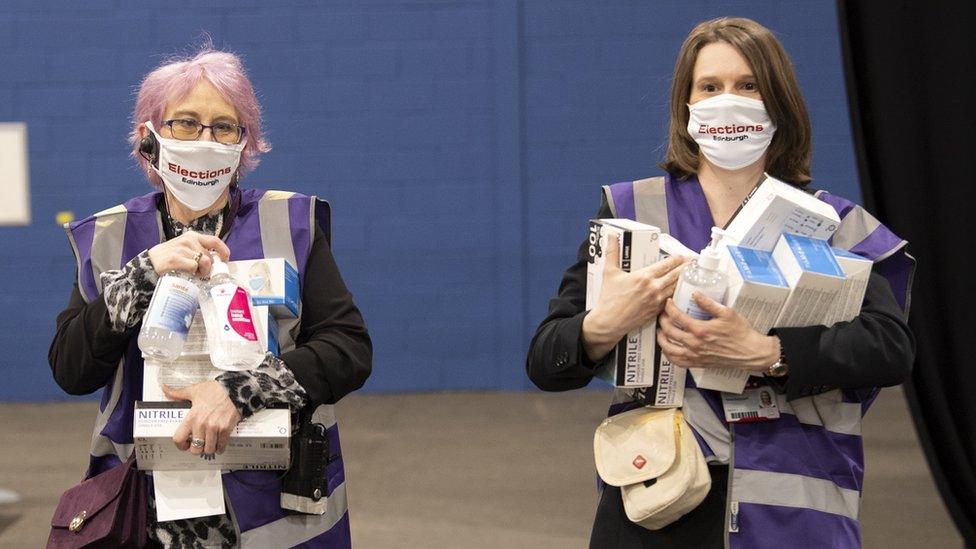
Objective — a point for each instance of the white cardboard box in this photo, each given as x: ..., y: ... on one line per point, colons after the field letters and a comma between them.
x: 257, y: 443
x: 757, y: 288
x: 816, y: 280
x: 270, y: 281
x: 857, y: 271
x: 672, y: 246
x: 758, y: 292
x: 669, y: 383
x: 632, y: 361
x: 774, y: 208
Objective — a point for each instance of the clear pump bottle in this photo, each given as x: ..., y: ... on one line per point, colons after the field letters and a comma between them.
x: 167, y: 320
x: 705, y: 276
x: 229, y: 317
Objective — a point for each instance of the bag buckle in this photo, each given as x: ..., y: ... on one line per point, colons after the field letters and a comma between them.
x: 78, y: 521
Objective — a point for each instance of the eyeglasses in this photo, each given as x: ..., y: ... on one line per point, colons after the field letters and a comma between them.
x: 186, y: 129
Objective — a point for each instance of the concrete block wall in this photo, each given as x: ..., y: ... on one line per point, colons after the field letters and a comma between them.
x: 461, y: 144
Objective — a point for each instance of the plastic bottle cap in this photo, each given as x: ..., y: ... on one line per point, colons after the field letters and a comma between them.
x: 219, y: 267
x: 710, y: 258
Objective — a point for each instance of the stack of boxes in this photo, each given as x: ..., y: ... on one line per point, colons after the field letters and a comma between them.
x: 631, y: 362
x: 259, y: 442
x: 782, y: 273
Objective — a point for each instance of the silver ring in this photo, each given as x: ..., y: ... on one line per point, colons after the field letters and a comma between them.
x: 197, y: 257
x: 197, y: 443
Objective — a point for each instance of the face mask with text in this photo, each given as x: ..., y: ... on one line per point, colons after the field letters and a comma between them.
x: 732, y: 131
x: 196, y: 172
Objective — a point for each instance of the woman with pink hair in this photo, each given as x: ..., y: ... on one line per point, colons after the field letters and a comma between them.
x: 196, y: 133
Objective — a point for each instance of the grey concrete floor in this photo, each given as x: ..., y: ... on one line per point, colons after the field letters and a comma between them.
x: 469, y: 470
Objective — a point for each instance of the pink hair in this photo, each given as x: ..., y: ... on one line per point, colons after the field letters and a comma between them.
x: 175, y: 78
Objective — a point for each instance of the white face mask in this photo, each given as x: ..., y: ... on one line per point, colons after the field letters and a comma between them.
x: 732, y: 131
x: 196, y: 172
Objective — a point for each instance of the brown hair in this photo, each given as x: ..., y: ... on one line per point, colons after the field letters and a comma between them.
x: 788, y: 156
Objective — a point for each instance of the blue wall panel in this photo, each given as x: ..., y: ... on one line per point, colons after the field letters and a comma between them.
x: 461, y: 144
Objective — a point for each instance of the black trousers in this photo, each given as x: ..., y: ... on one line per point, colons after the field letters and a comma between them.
x: 703, y: 527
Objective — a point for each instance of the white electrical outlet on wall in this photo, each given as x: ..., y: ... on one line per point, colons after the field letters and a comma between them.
x: 14, y: 187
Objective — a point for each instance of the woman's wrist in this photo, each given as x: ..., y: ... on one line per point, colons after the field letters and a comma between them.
x: 770, y: 350
x: 598, y: 339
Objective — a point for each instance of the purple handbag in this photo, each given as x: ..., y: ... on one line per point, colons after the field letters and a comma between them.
x: 106, y: 510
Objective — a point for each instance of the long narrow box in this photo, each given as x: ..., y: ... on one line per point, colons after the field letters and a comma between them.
x: 758, y: 291
x: 632, y: 361
x: 257, y: 443
x: 669, y: 380
x: 857, y: 271
x: 774, y: 208
x: 272, y: 282
x: 669, y: 383
x: 816, y: 280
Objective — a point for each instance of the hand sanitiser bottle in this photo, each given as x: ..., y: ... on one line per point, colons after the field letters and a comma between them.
x: 705, y: 276
x: 229, y: 317
x: 167, y: 320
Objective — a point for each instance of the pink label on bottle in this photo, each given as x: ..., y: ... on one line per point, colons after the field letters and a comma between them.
x: 239, y: 316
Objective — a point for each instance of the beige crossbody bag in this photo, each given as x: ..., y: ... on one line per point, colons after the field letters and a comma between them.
x: 652, y: 455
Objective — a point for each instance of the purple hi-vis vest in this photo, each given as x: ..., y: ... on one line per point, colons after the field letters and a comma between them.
x: 796, y: 481
x: 267, y: 224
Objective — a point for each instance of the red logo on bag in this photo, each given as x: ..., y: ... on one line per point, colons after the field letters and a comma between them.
x: 639, y: 461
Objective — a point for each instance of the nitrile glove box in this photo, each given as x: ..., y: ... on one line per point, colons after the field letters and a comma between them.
x: 757, y: 288
x: 758, y: 292
x: 272, y: 282
x: 668, y: 390
x: 774, y: 208
x: 669, y: 383
x: 631, y: 362
x: 857, y: 271
x: 816, y: 280
x: 259, y: 442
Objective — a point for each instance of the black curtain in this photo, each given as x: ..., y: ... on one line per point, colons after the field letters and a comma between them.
x: 910, y: 68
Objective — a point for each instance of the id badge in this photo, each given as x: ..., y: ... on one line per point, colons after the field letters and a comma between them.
x: 754, y: 404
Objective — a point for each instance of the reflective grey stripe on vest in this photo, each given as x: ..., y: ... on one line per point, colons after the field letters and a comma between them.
x: 106, y: 252
x: 787, y: 490
x: 275, y: 224
x: 296, y: 529
x: 650, y: 202
x: 650, y: 205
x: 101, y: 445
x: 703, y: 420
x: 77, y: 253
x: 827, y: 410
x: 858, y: 223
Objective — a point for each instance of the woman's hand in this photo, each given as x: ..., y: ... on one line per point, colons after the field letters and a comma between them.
x: 725, y: 341
x: 188, y: 252
x: 211, y: 418
x: 627, y: 300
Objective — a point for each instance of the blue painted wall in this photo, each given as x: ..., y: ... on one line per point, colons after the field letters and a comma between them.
x: 461, y: 144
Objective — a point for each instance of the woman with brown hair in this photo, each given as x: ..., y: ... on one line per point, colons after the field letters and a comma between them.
x: 736, y: 115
